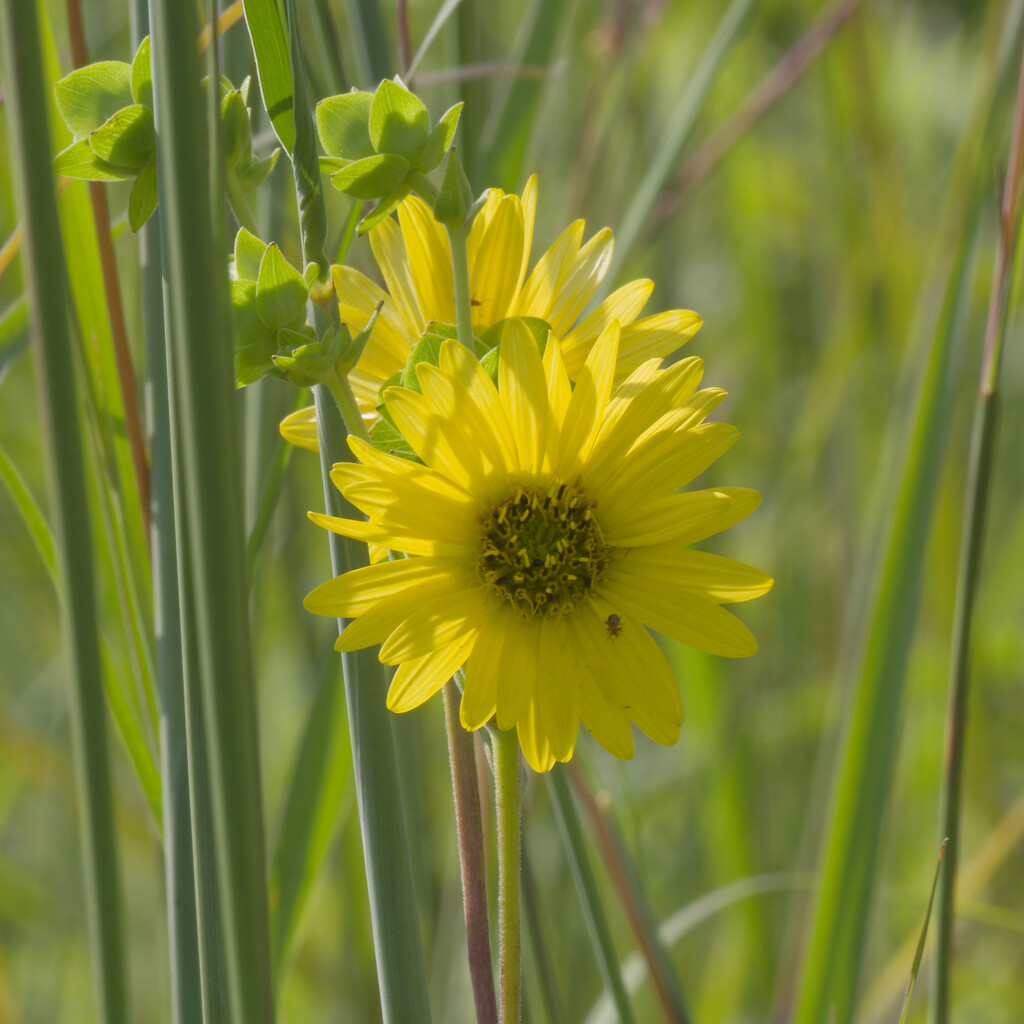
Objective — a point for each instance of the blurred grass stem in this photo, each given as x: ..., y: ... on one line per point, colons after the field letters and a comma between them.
x: 469, y: 826
x: 87, y: 707
x: 508, y: 804
x: 977, y: 489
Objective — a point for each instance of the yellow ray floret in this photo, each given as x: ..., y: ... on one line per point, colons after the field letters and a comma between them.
x: 414, y: 258
x: 544, y: 535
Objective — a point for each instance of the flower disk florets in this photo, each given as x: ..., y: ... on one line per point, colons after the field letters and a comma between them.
x: 542, y: 549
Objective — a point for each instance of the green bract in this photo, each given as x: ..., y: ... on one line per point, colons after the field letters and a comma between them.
x: 109, y: 108
x: 379, y: 145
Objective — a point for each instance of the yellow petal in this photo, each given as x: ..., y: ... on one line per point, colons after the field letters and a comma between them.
x: 494, y: 273
x: 299, y: 428
x: 485, y: 671
x: 662, y: 466
x: 517, y: 680
x: 472, y: 379
x: 583, y: 280
x: 624, y: 305
x: 481, y: 222
x: 430, y: 260
x: 388, y: 346
x: 524, y: 393
x: 389, y: 251
x: 411, y: 543
x: 529, y: 216
x: 683, y: 616
x: 679, y: 519
x: 534, y: 741
x: 722, y: 580
x: 547, y: 276
x: 382, y: 619
x: 418, y: 680
x: 434, y: 623
x: 352, y: 593
x: 658, y: 335
x: 557, y: 698
x: 559, y: 388
x: 587, y: 406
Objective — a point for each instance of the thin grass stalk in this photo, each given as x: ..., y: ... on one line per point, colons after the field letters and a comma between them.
x: 205, y: 414
x: 469, y: 827
x: 590, y: 897
x: 371, y: 42
x: 542, y: 961
x: 59, y: 403
x: 396, y: 935
x: 977, y: 488
x: 508, y: 821
x: 179, y: 869
x: 623, y: 877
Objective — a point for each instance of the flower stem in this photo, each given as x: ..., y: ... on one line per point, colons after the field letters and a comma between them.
x: 507, y: 799
x: 471, y: 858
x: 460, y: 272
x: 340, y: 388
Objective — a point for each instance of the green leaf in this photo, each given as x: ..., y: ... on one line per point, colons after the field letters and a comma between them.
x: 399, y: 122
x: 270, y: 47
x: 373, y: 177
x: 143, y: 199
x: 382, y: 210
x: 237, y: 133
x: 142, y: 75
x: 538, y: 328
x: 342, y: 123
x: 90, y: 96
x: 456, y: 197
x: 440, y: 140
x: 257, y: 172
x: 919, y: 951
x: 387, y: 439
x: 249, y: 252
x: 14, y: 336
x: 79, y: 161
x: 255, y: 343
x: 281, y: 292
x: 490, y: 364
x: 426, y: 350
x: 127, y: 139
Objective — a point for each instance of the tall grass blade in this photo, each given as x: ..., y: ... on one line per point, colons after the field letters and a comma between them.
x: 919, y: 951
x: 45, y: 263
x: 209, y: 474
x: 677, y: 131
x: 270, y: 47
x: 835, y: 942
x: 590, y: 898
x: 179, y: 866
x: 372, y: 45
x: 396, y: 934
x: 977, y: 488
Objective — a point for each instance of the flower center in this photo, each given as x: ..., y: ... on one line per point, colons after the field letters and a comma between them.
x: 542, y: 549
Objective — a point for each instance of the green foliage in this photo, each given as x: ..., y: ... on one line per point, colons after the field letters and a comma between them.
x: 455, y: 199
x: 379, y: 146
x: 90, y: 96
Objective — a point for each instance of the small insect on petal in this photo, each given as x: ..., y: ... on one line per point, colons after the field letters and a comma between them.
x: 614, y: 626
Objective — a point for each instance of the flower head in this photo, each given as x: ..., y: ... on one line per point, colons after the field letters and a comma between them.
x: 545, y: 532
x: 414, y: 258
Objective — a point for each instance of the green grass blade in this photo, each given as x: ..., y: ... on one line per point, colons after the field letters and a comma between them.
x: 590, y: 898
x: 45, y: 261
x: 208, y: 473
x: 270, y: 46
x: 396, y: 934
x: 448, y: 8
x: 840, y: 917
x: 13, y: 334
x: 31, y: 514
x: 311, y: 812
x: 509, y: 126
x: 677, y: 131
x: 919, y: 952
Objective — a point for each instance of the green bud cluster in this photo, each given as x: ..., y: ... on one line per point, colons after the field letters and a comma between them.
x: 380, y: 145
x: 108, y: 106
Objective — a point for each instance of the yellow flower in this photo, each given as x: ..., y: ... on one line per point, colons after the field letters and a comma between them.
x: 544, y: 534
x: 415, y: 261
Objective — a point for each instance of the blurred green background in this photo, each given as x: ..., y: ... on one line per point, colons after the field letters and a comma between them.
x: 815, y: 251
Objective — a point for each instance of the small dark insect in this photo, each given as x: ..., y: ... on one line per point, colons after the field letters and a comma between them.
x: 523, y: 501
x: 614, y: 626
x: 537, y: 563
x: 475, y: 302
